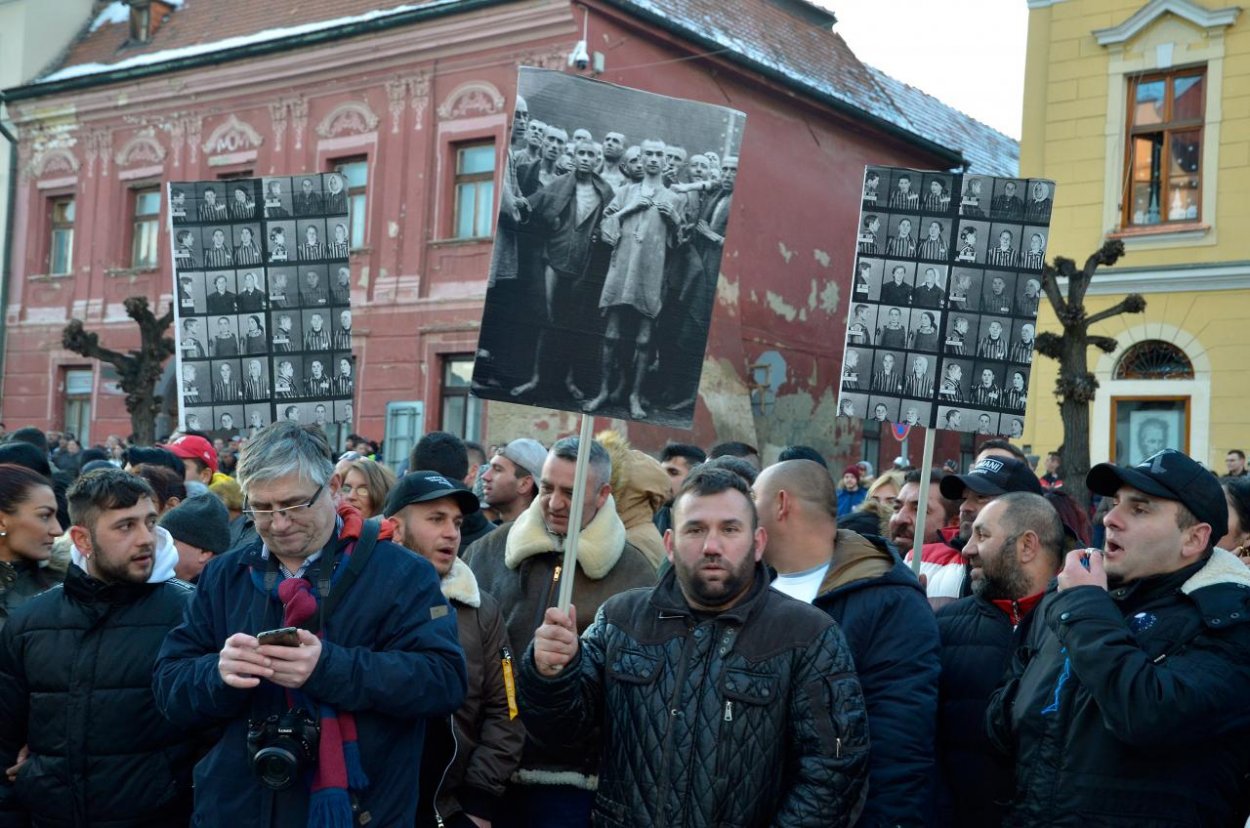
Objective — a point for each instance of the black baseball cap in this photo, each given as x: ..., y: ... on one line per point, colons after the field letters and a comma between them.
x: 424, y: 486
x: 992, y: 476
x: 1170, y: 475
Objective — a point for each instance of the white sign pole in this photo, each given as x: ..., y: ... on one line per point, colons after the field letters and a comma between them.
x: 575, y: 514
x: 922, y: 507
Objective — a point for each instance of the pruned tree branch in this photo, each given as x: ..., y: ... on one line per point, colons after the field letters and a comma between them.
x: 1133, y: 303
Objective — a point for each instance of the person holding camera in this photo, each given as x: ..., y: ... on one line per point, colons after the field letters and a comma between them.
x: 78, y: 735
x: 338, y: 648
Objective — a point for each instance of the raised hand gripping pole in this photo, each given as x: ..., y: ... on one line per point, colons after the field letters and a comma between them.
x: 575, y: 514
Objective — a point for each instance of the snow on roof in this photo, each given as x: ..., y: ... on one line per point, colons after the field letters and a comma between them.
x: 266, y: 35
x: 115, y: 12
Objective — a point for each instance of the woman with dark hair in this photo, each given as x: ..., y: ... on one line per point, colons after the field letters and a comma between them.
x: 1077, y: 528
x: 1237, y: 540
x: 28, y: 526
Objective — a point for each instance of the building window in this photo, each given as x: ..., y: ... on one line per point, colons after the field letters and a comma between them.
x: 79, y: 383
x: 1154, y: 359
x: 462, y: 412
x: 61, y: 239
x: 355, y: 172
x: 146, y: 228
x: 475, y: 190
x: 1164, y: 152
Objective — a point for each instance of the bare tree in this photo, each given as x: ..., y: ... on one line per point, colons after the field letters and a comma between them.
x: 139, y: 369
x: 1076, y: 385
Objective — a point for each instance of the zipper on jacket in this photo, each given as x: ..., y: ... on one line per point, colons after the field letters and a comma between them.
x: 455, y: 751
x: 509, y: 681
x: 837, y: 749
x: 551, y: 589
x: 729, y: 710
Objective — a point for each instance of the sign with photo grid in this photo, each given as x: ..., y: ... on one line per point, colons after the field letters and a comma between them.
x: 263, y: 315
x: 944, y: 298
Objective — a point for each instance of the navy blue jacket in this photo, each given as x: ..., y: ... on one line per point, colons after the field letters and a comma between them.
x: 893, y: 637
x: 391, y: 655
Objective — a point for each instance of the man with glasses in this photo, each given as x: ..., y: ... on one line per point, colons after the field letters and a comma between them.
x: 385, y: 658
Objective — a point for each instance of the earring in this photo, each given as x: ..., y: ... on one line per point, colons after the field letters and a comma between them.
x: 4, y: 534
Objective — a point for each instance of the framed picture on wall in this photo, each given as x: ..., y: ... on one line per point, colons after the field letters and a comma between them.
x: 1143, y: 426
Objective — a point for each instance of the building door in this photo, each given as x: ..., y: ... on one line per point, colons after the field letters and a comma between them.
x: 79, y: 383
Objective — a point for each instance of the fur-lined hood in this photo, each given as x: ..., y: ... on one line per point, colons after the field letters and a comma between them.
x: 1222, y: 567
x: 599, y: 546
x: 1221, y: 590
x: 461, y: 585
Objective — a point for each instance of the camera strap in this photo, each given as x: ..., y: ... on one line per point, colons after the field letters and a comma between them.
x: 332, y: 595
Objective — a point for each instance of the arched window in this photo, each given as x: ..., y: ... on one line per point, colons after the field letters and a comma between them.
x: 1154, y: 359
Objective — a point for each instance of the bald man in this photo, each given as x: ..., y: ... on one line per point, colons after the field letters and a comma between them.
x: 888, y: 624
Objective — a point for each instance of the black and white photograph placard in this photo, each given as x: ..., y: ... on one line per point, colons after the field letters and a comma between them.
x: 263, y: 318
x: 613, y: 211
x: 944, y: 299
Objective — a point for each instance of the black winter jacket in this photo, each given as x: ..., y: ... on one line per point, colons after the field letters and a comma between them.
x: 751, y: 717
x: 893, y: 638
x: 1129, y: 708
x: 977, y: 643
x: 76, y: 686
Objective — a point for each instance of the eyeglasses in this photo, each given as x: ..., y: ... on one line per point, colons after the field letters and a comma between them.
x: 291, y: 512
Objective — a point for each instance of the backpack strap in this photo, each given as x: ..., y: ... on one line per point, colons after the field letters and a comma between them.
x: 355, y: 565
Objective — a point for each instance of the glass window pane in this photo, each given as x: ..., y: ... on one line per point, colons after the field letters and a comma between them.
x: 1187, y: 98
x: 62, y: 250
x: 148, y: 203
x: 1186, y: 152
x: 465, y: 194
x: 480, y: 159
x: 63, y: 210
x: 356, y: 173
x: 144, y: 248
x: 485, y: 203
x: 356, y: 207
x: 1149, y: 102
x: 458, y: 373
x: 453, y: 415
x: 1147, y: 161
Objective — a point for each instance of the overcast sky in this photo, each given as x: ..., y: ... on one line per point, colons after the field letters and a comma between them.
x: 968, y: 53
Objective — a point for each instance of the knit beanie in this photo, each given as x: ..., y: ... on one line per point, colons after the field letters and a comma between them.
x: 200, y: 521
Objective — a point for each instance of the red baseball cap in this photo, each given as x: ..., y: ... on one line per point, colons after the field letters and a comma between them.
x: 192, y: 447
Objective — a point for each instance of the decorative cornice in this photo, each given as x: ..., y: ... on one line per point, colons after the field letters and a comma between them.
x: 1169, y: 279
x: 54, y: 160
x: 231, y: 136
x: 142, y: 147
x: 1200, y: 16
x: 469, y: 98
x: 353, y: 116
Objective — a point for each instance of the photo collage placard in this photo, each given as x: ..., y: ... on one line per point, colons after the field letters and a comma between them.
x: 263, y: 316
x: 944, y: 299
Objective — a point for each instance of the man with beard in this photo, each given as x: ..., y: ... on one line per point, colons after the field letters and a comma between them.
x: 79, y: 732
x: 778, y: 694
x: 1131, y: 682
x: 566, y: 213
x: 613, y: 152
x: 888, y: 625
x: 641, y: 224
x: 510, y: 482
x: 1022, y: 351
x: 521, y: 564
x: 1014, y: 552
x: 989, y: 478
x: 941, y: 568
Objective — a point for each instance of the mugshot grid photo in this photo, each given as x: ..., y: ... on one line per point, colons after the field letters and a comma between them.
x: 263, y: 317
x: 945, y: 292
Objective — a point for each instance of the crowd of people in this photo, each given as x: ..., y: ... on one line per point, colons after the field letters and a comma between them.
x: 268, y: 634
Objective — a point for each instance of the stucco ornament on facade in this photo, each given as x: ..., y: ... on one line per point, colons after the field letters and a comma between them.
x: 354, y: 117
x: 53, y: 160
x: 472, y: 98
x: 232, y: 136
x: 142, y: 147
x: 99, y: 144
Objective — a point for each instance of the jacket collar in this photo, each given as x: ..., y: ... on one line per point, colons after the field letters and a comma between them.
x: 461, y: 585
x: 599, y: 546
x: 667, y: 597
x: 87, y: 590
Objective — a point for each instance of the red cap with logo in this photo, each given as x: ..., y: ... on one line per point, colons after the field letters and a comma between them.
x: 192, y: 447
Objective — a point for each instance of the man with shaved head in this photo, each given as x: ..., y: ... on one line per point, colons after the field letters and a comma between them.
x: 887, y: 622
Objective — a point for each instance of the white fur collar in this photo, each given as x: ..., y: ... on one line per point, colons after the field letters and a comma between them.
x: 599, y: 546
x: 461, y: 585
x: 1221, y: 568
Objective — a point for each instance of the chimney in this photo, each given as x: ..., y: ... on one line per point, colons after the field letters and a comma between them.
x: 146, y: 17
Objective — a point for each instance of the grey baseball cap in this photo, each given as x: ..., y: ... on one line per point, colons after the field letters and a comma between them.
x: 527, y: 453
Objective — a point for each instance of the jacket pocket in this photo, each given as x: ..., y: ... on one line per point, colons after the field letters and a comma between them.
x: 629, y: 666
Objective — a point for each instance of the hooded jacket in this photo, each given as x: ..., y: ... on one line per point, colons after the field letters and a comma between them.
x: 521, y: 564
x: 750, y: 717
x: 390, y: 654
x: 891, y: 632
x: 1128, y: 708
x: 164, y: 560
x: 76, y: 687
x: 488, y: 738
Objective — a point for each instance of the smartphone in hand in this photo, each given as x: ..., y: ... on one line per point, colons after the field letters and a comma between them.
x: 284, y: 637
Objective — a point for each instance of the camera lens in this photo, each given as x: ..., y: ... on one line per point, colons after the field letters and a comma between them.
x: 275, y: 767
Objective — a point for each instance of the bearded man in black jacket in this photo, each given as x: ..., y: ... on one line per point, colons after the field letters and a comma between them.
x: 76, y: 675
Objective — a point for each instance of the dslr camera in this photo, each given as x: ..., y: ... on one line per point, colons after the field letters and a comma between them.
x: 281, y: 747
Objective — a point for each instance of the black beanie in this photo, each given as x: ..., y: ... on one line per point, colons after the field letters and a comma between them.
x: 24, y: 454
x: 31, y: 435
x: 201, y: 521
x: 157, y: 456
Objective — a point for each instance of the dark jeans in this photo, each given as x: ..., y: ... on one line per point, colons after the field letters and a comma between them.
x: 544, y: 806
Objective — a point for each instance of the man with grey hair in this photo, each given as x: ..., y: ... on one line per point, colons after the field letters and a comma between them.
x: 366, y: 675
x: 521, y: 564
x: 1014, y: 552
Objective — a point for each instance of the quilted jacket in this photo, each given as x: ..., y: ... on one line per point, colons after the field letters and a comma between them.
x: 750, y: 717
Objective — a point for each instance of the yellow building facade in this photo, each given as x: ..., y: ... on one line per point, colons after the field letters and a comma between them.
x: 1140, y: 111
